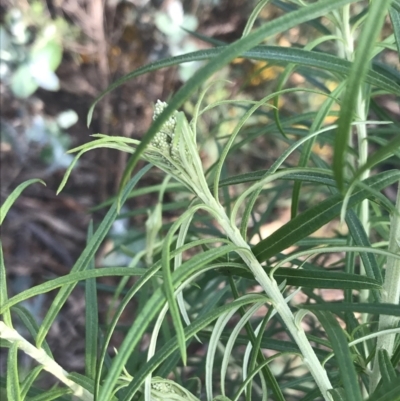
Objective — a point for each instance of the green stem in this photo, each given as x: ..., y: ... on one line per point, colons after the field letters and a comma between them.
x: 271, y: 288
x: 391, y: 293
x: 347, y: 49
x: 363, y: 157
x: 49, y: 364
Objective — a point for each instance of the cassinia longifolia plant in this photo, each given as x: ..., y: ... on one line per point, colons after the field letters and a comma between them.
x: 221, y: 317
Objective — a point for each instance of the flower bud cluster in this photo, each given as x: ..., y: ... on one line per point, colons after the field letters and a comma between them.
x: 174, y: 150
x: 164, y: 147
x: 163, y: 139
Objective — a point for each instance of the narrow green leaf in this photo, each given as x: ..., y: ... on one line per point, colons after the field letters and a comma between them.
x: 342, y: 354
x: 338, y: 394
x: 396, y: 5
x: 257, y: 355
x: 253, y: 16
x: 308, y: 222
x: 84, y: 381
x: 385, y: 366
x: 3, y: 289
x: 172, y: 345
x: 30, y: 323
x: 312, y: 278
x: 5, y: 207
x: 395, y: 18
x: 53, y: 394
x: 371, y: 308
x: 204, y: 38
x: 316, y: 175
x: 29, y: 380
x: 390, y: 392
x: 384, y: 152
x: 167, y: 277
x: 220, y: 163
x: 227, y: 55
x: 86, y: 257
x: 360, y: 238
x: 323, y: 61
x: 268, y: 343
x: 142, y: 320
x: 40, y: 395
x: 71, y: 278
x: 91, y: 318
x: 272, y: 54
x: 315, y: 23
x: 13, y: 389
x: 376, y: 14
x: 383, y: 115
x: 174, y: 186
x: 5, y: 343
x: 396, y: 356
x: 308, y: 146
x: 200, y: 260
x: 103, y: 355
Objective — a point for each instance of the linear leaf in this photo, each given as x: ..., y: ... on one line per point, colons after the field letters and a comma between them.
x: 386, y: 368
x: 312, y: 219
x: 172, y: 345
x: 103, y: 355
x: 312, y: 278
x: 53, y: 394
x: 373, y: 309
x: 306, y: 150
x: 396, y: 5
x: 376, y: 14
x: 86, y: 257
x: 269, y: 343
x: 30, y: 323
x: 338, y: 394
x: 13, y: 389
x: 384, y: 152
x: 316, y: 175
x: 91, y: 318
x: 84, y: 381
x: 323, y: 61
x: 342, y: 354
x: 199, y: 260
x: 3, y: 288
x: 150, y: 309
x: 390, y: 392
x: 360, y: 238
x: 395, y: 18
x: 272, y: 54
x: 314, y: 23
x: 5, y: 207
x: 29, y: 380
x: 71, y: 278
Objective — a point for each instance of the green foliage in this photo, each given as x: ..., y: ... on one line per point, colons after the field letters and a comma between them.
x: 211, y: 281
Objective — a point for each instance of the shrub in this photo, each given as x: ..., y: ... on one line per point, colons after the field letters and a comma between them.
x: 201, y: 281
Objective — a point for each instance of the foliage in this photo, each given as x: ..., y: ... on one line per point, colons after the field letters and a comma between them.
x: 203, y: 282
x: 31, y: 49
